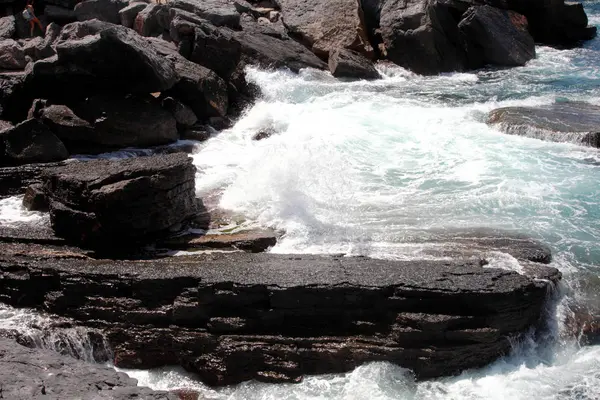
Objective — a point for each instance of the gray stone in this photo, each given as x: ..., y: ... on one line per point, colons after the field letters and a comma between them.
x: 345, y: 63
x: 575, y: 122
x: 12, y: 55
x: 129, y: 13
x: 7, y: 27
x: 116, y: 204
x: 327, y: 25
x: 30, y: 142
x: 496, y: 37
x: 38, y: 374
x: 35, y: 198
x: 183, y: 114
x: 217, y: 12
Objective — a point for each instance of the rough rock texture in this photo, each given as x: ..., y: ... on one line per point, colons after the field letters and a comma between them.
x: 217, y: 12
x: 15, y: 180
x: 271, y: 52
x: 35, y: 198
x: 38, y: 48
x: 553, y: 22
x: 38, y: 374
x: 496, y: 37
x: 350, y: 64
x: 102, y: 123
x: 182, y: 113
x: 327, y: 25
x: 201, y: 89
x: 231, y: 317
x: 12, y: 55
x: 30, y: 142
x: 147, y: 21
x: 104, y: 203
x: 128, y: 14
x: 129, y: 64
x: 103, y: 10
x: 216, y: 49
x: 7, y: 27
x: 576, y: 122
x: 252, y: 241
x: 421, y: 35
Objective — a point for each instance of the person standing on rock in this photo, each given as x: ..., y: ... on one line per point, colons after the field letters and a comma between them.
x: 29, y: 15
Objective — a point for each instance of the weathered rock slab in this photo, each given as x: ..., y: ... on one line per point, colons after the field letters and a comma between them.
x: 38, y: 374
x: 237, y: 316
x: 104, y: 203
x: 576, y: 122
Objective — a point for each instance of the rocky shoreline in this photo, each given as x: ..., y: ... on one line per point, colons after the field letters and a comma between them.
x: 112, y: 74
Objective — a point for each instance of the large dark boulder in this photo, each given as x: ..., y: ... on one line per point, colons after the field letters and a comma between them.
x: 272, y: 52
x: 345, y: 63
x: 201, y: 89
x: 79, y: 30
x: 115, y: 60
x: 216, y: 49
x: 30, y: 142
x: 327, y: 25
x: 103, y: 10
x: 575, y: 122
x: 12, y: 55
x: 7, y: 27
x: 37, y: 374
x: 116, y: 122
x: 152, y: 20
x: 553, y: 22
x: 496, y: 37
x: 217, y: 12
x: 422, y: 35
x: 59, y: 14
x: 104, y: 203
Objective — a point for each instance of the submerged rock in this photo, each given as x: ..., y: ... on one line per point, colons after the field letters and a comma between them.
x: 231, y: 317
x: 104, y: 203
x: 575, y: 122
x: 38, y: 374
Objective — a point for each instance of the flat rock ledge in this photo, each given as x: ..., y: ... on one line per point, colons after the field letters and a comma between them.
x: 33, y: 374
x: 232, y: 317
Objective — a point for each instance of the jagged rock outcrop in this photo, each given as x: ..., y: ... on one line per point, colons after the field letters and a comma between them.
x: 129, y: 64
x: 422, y: 35
x: 30, y: 142
x: 231, y: 317
x: 217, y: 12
x: 105, y: 203
x: 128, y: 14
x: 327, y: 25
x: 15, y: 180
x: 38, y: 374
x: 496, y: 37
x: 575, y: 122
x: 345, y: 63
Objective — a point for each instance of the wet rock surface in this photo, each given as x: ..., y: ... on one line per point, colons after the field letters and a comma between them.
x: 236, y: 316
x: 27, y: 373
x: 576, y: 122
